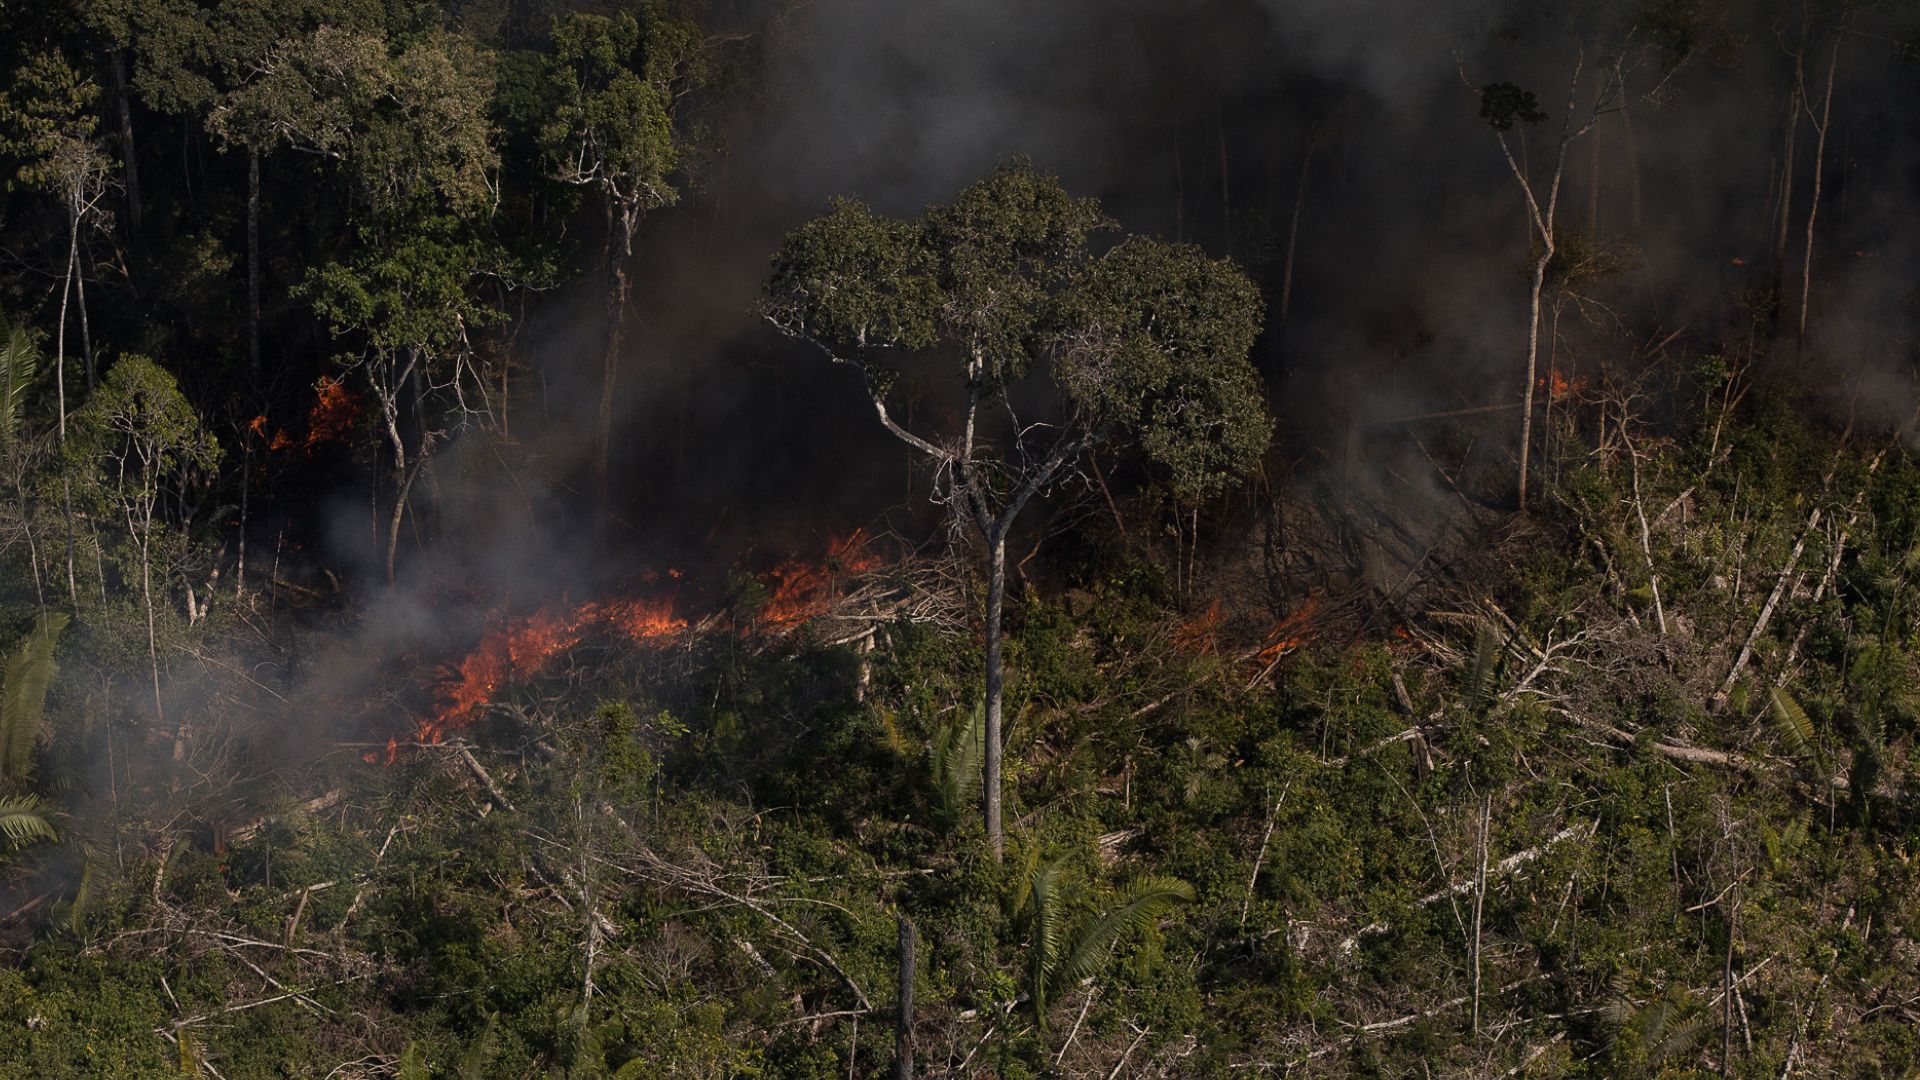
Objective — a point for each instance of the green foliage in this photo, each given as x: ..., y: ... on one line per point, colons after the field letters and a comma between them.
x: 1503, y: 103
x: 613, y: 84
x: 954, y: 756
x: 1147, y: 338
x: 1065, y: 950
x: 21, y: 365
x: 24, y: 682
x: 47, y: 124
x: 22, y: 822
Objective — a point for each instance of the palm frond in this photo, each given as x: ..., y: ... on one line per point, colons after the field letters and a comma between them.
x: 473, y: 1062
x: 1142, y: 904
x: 22, y: 823
x: 957, y: 751
x: 1486, y: 645
x: 1791, y: 723
x: 20, y: 364
x: 82, y: 902
x: 413, y: 1064
x: 1046, y: 888
x: 23, y: 694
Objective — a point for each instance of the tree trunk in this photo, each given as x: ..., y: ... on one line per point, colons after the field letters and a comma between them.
x: 1533, y: 360
x: 130, y: 161
x: 1786, y: 193
x: 996, y: 686
x: 903, y: 1017
x: 60, y: 330
x: 253, y: 261
x: 153, y: 644
x: 621, y: 223
x: 1819, y: 174
x: 1293, y: 225
x: 60, y: 392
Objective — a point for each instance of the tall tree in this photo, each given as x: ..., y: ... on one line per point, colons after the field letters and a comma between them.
x: 138, y: 451
x: 1145, y: 338
x: 410, y: 128
x: 616, y: 84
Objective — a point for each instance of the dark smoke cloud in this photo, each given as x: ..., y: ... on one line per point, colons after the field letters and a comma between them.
x: 1189, y: 118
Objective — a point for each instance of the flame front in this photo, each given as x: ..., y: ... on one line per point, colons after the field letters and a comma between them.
x: 526, y: 644
x: 802, y: 592
x: 1289, y: 633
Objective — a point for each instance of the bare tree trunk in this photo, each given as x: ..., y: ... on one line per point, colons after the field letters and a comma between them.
x: 903, y: 1017
x: 621, y: 223
x: 1593, y: 183
x: 1727, y: 989
x: 60, y: 389
x: 1819, y: 174
x: 60, y: 330
x: 1479, y: 904
x: 153, y: 644
x: 403, y: 490
x: 1533, y: 360
x: 246, y: 484
x: 253, y: 261
x: 996, y: 686
x: 1786, y: 191
x: 1293, y: 225
x: 130, y: 161
x: 1633, y: 171
x: 86, y: 328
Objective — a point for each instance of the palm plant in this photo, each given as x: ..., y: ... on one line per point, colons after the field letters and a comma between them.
x: 24, y: 680
x: 20, y: 366
x: 1067, y: 950
x: 956, y: 753
x: 22, y: 823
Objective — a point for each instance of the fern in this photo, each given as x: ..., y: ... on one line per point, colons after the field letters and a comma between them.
x: 23, y: 695
x: 22, y: 823
x: 956, y: 754
x: 1791, y: 723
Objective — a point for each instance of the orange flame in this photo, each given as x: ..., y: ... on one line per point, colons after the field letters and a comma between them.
x: 522, y: 646
x: 1289, y: 633
x: 1558, y: 384
x: 1197, y: 633
x: 329, y: 420
x: 802, y: 592
x: 527, y: 643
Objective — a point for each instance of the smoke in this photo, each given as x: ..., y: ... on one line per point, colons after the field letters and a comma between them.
x: 1189, y: 119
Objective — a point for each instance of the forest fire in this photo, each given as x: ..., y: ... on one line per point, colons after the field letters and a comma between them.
x: 528, y: 643
x: 331, y: 418
x: 1558, y: 384
x: 524, y: 645
x: 800, y: 591
x: 1289, y: 633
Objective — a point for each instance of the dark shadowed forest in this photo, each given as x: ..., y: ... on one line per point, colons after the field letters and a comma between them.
x: 610, y: 539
